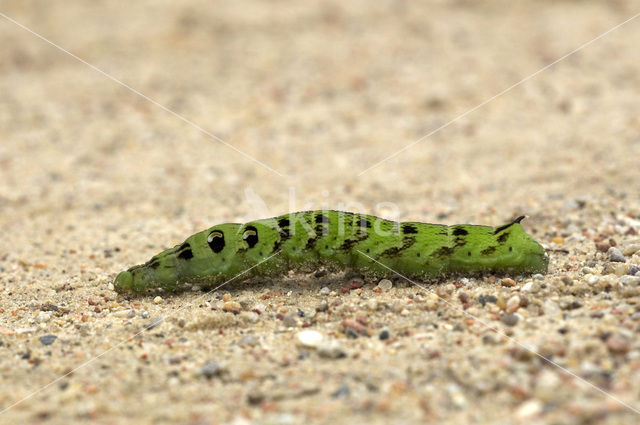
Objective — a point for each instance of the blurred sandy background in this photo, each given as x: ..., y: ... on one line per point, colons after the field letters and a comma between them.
x: 95, y: 178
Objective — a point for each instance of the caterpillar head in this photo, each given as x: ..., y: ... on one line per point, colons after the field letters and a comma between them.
x: 187, y: 262
x: 146, y: 276
x: 161, y: 271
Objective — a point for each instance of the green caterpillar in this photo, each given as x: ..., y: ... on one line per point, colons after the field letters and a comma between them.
x: 334, y: 239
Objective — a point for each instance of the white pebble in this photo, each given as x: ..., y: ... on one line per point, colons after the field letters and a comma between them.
x: 531, y: 286
x: 593, y: 280
x: 529, y: 409
x: 325, y: 291
x: 125, y: 314
x: 372, y: 304
x: 309, y: 338
x: 551, y: 308
x: 157, y: 300
x: 631, y: 249
x: 384, y: 285
x: 632, y: 281
x: 44, y: 316
x: 331, y: 350
x: 513, y: 304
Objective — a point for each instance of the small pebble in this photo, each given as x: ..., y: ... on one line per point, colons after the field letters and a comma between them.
x: 618, y: 344
x: 331, y: 349
x: 259, y: 308
x: 356, y: 326
x: 513, y: 304
x: 325, y: 291
x: 397, y: 306
x: 509, y: 319
x: 232, y: 306
x: 43, y: 316
x: 631, y: 249
x: 619, y: 269
x: 323, y: 306
x: 551, y: 308
x: 566, y: 280
x: 353, y: 284
x: 463, y: 297
x: 508, y: 282
x: 157, y: 300
x: 384, y: 334
x: 343, y: 391
x: 632, y: 281
x: 320, y: 273
x: 47, y: 339
x: 603, y: 246
x: 593, y: 280
x: 372, y: 304
x: 309, y: 338
x: 569, y: 303
x: 615, y: 255
x: 211, y: 369
x: 489, y: 339
x: 483, y: 299
x: 290, y: 321
x: 125, y: 314
x: 248, y: 341
x: 255, y: 397
x: 351, y: 333
x: 531, y: 286
x: 529, y: 409
x: 384, y: 285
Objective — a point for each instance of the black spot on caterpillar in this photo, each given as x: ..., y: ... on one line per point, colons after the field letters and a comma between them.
x: 458, y: 231
x: 184, y: 252
x: 215, y: 240
x: 308, y: 240
x: 250, y: 235
x: 409, y: 229
x: 503, y: 237
x: 488, y: 250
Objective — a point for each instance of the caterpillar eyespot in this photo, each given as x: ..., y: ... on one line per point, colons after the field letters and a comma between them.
x: 250, y: 235
x: 215, y: 240
x: 309, y: 240
x: 214, y: 234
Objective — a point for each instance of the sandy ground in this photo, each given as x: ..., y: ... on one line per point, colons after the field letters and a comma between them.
x: 94, y: 179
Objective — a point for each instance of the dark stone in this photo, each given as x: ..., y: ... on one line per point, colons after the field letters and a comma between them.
x: 47, y: 339
x: 483, y: 299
